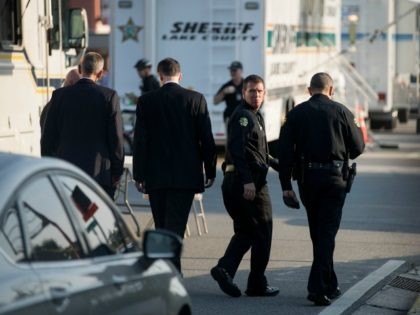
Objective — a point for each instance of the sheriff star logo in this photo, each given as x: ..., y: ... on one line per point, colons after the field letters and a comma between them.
x: 243, y: 121
x: 130, y: 30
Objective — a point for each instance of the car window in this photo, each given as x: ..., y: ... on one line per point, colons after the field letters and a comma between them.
x: 50, y: 232
x: 105, y: 234
x: 11, y: 240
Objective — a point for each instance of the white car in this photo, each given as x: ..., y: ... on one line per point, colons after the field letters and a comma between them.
x: 65, y: 249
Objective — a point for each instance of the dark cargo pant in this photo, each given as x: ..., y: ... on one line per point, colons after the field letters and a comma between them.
x: 252, y: 225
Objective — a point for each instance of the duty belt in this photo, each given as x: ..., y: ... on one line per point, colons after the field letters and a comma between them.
x: 230, y: 168
x: 324, y: 165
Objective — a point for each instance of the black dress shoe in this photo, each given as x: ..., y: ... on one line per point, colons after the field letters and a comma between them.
x: 267, y: 291
x: 334, y: 294
x: 319, y: 299
x: 225, y: 281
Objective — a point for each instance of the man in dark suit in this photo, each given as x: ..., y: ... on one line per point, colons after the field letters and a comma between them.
x: 84, y: 126
x: 172, y: 139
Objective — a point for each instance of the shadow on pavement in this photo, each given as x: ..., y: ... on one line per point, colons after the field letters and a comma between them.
x: 208, y: 299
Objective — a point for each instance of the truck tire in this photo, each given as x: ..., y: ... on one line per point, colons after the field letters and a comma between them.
x: 391, y: 124
x: 375, y: 124
x: 403, y: 115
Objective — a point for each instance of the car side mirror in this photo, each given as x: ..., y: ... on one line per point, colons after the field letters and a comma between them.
x: 161, y: 244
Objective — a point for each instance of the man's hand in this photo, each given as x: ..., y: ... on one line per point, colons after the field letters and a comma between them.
x: 219, y: 97
x: 229, y: 89
x: 209, y: 182
x: 274, y: 163
x: 249, y: 191
x: 290, y: 199
x: 141, y: 187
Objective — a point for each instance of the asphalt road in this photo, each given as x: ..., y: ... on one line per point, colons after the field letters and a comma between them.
x: 380, y: 222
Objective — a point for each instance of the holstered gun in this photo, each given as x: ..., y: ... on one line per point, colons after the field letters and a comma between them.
x: 352, y: 171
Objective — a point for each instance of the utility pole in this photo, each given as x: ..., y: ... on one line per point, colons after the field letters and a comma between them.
x: 417, y: 61
x: 391, y: 62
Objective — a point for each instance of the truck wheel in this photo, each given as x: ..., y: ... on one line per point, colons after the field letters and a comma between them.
x: 391, y: 124
x: 374, y: 124
x: 403, y: 115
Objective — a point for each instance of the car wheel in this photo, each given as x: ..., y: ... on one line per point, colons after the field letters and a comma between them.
x: 403, y: 115
x: 391, y: 124
x: 185, y: 310
x: 374, y: 124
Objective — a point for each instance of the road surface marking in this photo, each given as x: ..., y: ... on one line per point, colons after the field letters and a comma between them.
x: 361, y: 287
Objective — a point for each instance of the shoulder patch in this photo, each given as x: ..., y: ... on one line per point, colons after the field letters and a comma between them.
x: 243, y: 121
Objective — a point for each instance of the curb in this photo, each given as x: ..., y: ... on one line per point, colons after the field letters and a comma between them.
x: 415, y: 309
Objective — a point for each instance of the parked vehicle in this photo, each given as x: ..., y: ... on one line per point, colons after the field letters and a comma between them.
x: 40, y: 41
x: 382, y: 38
x: 129, y: 120
x: 285, y: 42
x: 65, y: 248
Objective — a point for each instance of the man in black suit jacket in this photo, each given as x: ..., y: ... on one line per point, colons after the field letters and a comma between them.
x: 172, y: 139
x: 84, y: 126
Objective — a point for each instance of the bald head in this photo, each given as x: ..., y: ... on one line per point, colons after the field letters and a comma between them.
x: 321, y: 83
x: 72, y: 77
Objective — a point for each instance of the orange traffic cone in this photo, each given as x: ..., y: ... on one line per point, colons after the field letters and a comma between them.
x: 361, y: 121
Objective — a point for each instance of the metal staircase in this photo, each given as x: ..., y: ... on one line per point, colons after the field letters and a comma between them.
x: 358, y: 90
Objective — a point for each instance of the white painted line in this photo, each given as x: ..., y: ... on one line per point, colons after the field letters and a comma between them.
x: 361, y: 287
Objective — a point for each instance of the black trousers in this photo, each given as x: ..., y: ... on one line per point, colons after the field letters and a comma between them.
x: 170, y: 210
x: 323, y: 195
x: 252, y: 225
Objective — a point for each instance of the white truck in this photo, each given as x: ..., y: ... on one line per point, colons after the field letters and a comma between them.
x: 382, y: 37
x: 285, y: 42
x: 40, y: 40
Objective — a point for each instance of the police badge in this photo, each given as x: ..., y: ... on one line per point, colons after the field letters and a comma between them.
x: 243, y: 121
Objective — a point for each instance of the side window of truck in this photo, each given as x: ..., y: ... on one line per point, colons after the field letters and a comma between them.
x: 10, y: 24
x: 55, y: 31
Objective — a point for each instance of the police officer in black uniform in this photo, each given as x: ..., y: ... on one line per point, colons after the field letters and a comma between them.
x: 316, y: 141
x: 149, y: 81
x: 231, y: 91
x: 246, y: 196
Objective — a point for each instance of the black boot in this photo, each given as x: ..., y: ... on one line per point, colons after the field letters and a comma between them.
x: 225, y: 281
